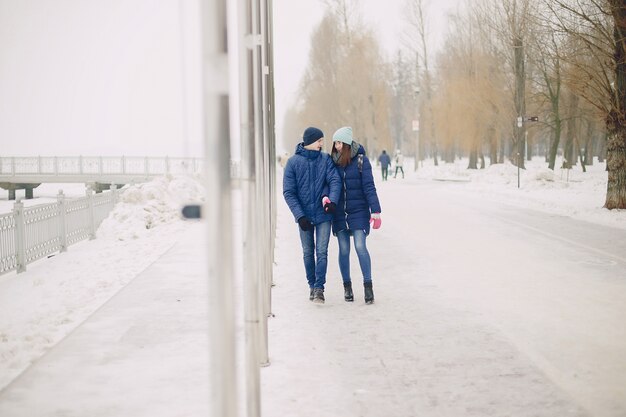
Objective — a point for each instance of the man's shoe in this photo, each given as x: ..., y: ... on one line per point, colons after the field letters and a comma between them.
x: 311, y: 295
x: 318, y: 296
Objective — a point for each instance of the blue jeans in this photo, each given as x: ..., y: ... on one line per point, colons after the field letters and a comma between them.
x: 359, y: 236
x: 315, y: 242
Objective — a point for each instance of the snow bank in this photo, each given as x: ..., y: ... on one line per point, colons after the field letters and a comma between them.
x: 145, y: 206
x: 41, y: 306
x: 571, y: 193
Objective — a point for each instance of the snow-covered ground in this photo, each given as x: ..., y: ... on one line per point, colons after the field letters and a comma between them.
x: 41, y: 306
x: 573, y: 193
x: 498, y: 339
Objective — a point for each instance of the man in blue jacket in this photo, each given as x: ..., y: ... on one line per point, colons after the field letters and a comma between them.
x: 385, y: 163
x: 311, y: 187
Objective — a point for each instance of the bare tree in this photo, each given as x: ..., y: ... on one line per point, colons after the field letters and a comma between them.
x: 348, y: 81
x: 510, y: 21
x: 417, y: 37
x: 600, y: 75
x: 470, y: 103
x: 545, y: 47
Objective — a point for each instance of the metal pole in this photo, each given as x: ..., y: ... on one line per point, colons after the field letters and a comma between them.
x: 222, y: 343
x: 252, y: 310
x: 271, y: 150
x: 272, y: 116
x: 20, y: 235
x: 263, y: 171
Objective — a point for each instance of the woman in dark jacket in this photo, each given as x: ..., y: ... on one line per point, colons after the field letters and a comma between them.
x: 358, y: 207
x: 311, y: 188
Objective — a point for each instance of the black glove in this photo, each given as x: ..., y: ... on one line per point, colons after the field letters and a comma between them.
x: 330, y: 207
x: 305, y: 224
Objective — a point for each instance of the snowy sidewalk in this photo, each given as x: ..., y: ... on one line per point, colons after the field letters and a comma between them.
x: 481, y: 310
x: 143, y: 353
x: 474, y: 316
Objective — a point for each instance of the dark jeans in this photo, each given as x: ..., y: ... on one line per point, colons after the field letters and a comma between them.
x: 385, y: 171
x: 398, y: 168
x: 315, y: 242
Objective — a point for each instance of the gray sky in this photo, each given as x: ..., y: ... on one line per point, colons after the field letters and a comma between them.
x: 122, y: 76
x: 95, y: 78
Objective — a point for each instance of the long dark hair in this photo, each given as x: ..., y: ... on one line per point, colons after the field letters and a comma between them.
x: 346, y: 155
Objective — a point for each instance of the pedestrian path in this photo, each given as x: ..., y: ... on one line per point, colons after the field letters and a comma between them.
x: 143, y: 353
x: 413, y: 353
x: 459, y: 328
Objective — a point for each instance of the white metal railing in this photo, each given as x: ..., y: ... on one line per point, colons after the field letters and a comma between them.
x: 78, y: 168
x: 31, y: 233
x: 97, y: 165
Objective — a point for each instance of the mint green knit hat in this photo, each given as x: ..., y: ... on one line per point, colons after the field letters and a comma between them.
x: 343, y: 134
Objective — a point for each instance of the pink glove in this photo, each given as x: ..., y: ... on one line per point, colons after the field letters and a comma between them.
x: 376, y: 220
x: 325, y: 200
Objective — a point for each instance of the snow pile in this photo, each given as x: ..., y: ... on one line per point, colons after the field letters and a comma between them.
x: 571, y: 193
x: 143, y: 207
x: 67, y: 288
x: 544, y: 174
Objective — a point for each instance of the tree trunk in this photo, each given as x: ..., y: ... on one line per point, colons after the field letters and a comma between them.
x: 602, y: 148
x: 589, y: 145
x: 473, y: 157
x: 569, y: 153
x: 616, y: 120
x: 520, y: 100
x: 616, y: 165
x: 493, y: 148
x: 554, y: 146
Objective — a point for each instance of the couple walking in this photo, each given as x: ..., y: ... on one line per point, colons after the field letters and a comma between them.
x: 332, y: 191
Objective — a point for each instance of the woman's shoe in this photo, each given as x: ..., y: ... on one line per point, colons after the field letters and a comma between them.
x: 348, y: 295
x: 369, y: 293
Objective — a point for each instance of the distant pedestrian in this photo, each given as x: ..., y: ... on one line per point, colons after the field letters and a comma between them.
x: 385, y: 163
x: 399, y: 161
x: 311, y: 187
x: 358, y: 207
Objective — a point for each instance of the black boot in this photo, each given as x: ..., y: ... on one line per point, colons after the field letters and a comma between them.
x: 369, y: 293
x: 311, y: 295
x: 318, y: 296
x: 347, y: 291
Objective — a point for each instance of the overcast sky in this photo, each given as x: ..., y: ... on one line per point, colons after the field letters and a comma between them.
x: 121, y: 77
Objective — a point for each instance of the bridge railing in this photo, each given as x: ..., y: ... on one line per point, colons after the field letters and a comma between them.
x: 98, y: 165
x: 31, y: 233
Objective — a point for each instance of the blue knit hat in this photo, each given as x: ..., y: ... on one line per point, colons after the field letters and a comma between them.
x: 312, y: 134
x: 343, y: 134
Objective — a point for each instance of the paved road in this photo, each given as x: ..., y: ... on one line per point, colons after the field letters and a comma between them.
x: 482, y: 309
x: 554, y: 286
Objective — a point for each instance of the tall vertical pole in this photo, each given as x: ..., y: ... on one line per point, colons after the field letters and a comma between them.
x: 263, y: 156
x: 268, y: 95
x: 271, y: 120
x: 248, y: 128
x: 222, y: 343
x: 257, y: 96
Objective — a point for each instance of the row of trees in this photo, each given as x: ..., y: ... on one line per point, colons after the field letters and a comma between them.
x: 561, y: 60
